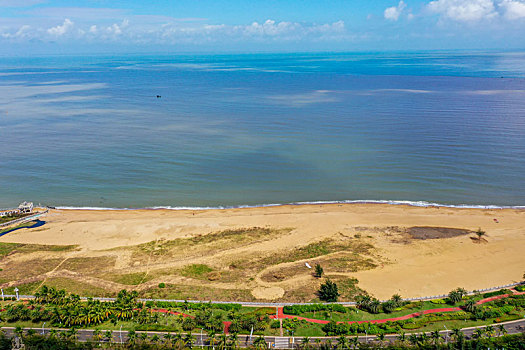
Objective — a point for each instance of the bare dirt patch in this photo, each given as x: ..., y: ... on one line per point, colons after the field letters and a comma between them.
x: 268, y: 293
x: 428, y: 232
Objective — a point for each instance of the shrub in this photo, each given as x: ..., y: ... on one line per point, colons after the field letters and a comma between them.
x: 318, y: 271
x: 388, y: 306
x: 162, y: 285
x: 328, y: 291
x: 188, y: 324
x: 498, y: 292
x: 438, y: 301
x: 301, y: 309
x: 520, y: 288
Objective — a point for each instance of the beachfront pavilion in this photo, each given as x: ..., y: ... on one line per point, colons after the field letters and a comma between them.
x: 25, y: 207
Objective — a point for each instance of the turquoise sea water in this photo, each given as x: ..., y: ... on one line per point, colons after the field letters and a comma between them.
x: 233, y: 130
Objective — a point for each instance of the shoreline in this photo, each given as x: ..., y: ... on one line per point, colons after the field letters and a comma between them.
x: 328, y: 202
x: 401, y: 263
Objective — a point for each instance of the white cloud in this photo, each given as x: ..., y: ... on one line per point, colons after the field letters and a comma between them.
x: 393, y: 13
x: 61, y: 29
x: 476, y: 10
x: 464, y: 10
x: 269, y: 29
x: 19, y: 3
x: 176, y: 31
x: 23, y: 32
x: 513, y: 9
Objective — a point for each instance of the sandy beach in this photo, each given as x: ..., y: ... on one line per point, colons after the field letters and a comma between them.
x: 404, y: 263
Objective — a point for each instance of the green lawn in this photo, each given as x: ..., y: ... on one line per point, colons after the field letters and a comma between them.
x: 355, y: 314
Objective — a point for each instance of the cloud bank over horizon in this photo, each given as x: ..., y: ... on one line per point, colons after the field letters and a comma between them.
x: 419, y: 24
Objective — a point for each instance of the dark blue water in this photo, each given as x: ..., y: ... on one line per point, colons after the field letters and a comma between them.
x: 35, y: 224
x: 260, y: 129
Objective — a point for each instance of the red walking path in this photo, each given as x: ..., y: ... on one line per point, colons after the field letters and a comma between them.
x: 281, y: 315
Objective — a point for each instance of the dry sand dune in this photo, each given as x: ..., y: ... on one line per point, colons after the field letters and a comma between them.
x: 428, y: 262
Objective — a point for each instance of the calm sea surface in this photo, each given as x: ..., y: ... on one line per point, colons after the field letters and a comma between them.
x: 233, y: 130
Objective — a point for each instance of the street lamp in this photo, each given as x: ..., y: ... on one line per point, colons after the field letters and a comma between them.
x: 446, y: 332
x: 43, y: 328
x: 121, y: 334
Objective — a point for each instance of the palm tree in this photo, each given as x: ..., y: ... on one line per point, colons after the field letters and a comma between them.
x: 341, y: 342
x: 501, y: 330
x: 396, y: 298
x: 234, y: 340
x: 423, y: 338
x: 108, y: 335
x: 188, y: 340
x: 72, y: 333
x: 168, y: 338
x: 363, y: 301
x: 413, y: 339
x: 53, y: 333
x: 480, y: 233
x: 132, y: 337
x: 305, y: 343
x: 260, y: 342
x: 211, y: 337
x: 436, y: 337
x: 479, y: 333
x: 223, y: 341
x: 402, y: 337
x: 318, y: 342
x: 155, y: 338
x: 457, y: 333
x: 381, y: 338
x: 454, y: 296
x: 97, y: 335
x: 143, y: 337
x: 354, y: 341
x: 470, y: 306
x: 489, y: 331
x: 19, y: 331
x: 179, y: 343
x: 374, y: 306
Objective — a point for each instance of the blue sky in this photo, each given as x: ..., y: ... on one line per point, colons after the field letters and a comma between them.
x: 101, y: 26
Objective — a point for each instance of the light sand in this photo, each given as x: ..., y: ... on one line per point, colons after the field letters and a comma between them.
x: 413, y: 269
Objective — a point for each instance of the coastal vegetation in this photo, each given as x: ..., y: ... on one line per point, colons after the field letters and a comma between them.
x: 201, y: 266
x: 141, y: 341
x: 229, y: 263
x: 58, y: 308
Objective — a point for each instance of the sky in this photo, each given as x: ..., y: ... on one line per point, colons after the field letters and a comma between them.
x: 29, y: 27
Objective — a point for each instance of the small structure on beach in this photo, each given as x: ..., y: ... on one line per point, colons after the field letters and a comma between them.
x: 25, y: 207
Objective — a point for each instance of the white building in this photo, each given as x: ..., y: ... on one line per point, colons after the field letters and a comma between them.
x: 25, y: 207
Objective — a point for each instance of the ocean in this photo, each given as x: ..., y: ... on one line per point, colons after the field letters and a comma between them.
x: 139, y: 131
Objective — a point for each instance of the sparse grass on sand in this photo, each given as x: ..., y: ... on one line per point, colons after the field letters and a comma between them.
x: 75, y: 287
x: 185, y: 292
x: 130, y: 279
x: 7, y: 248
x: 148, y: 263
x: 198, y: 271
x: 94, y: 266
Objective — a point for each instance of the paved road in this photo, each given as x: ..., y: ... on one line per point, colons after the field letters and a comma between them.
x: 270, y: 304
x: 512, y: 327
